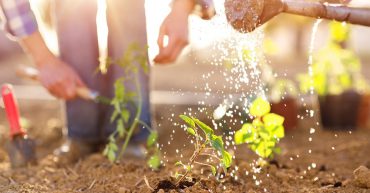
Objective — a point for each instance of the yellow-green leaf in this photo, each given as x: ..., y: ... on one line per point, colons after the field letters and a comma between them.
x: 154, y: 162
x: 152, y: 138
x: 226, y: 159
x: 188, y: 120
x: 272, y: 119
x: 259, y: 107
x: 190, y: 131
x: 206, y: 129
x: 213, y: 169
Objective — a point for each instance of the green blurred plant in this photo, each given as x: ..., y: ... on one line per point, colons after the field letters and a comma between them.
x: 265, y: 131
x: 335, y: 69
x: 280, y: 89
x: 133, y: 60
x: 207, y: 145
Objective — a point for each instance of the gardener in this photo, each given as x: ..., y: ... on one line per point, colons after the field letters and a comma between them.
x: 87, y: 122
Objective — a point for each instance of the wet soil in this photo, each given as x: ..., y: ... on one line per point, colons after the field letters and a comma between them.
x: 328, y: 168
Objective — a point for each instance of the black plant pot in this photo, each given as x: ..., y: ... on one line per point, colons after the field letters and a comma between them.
x: 340, y: 112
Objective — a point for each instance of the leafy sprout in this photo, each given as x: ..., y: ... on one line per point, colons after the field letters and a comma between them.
x: 335, y: 69
x: 206, y: 145
x: 263, y: 134
x: 133, y: 60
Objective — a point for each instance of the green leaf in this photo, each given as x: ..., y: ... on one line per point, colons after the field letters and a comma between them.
x: 111, y: 155
x: 125, y: 115
x: 263, y: 150
x: 120, y: 128
x: 279, y: 132
x: 246, y: 134
x: 188, y: 120
x: 179, y: 163
x: 217, y: 143
x: 152, y: 138
x: 213, y: 169
x: 206, y: 129
x: 154, y: 162
x: 272, y: 119
x: 226, y: 159
x: 113, y: 146
x: 188, y: 167
x: 114, y: 116
x: 264, y: 133
x: 239, y: 136
x: 190, y: 131
x: 259, y: 107
x: 119, y: 90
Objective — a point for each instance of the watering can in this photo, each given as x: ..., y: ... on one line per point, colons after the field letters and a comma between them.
x: 246, y: 15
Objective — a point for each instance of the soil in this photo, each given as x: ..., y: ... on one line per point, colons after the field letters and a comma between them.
x: 328, y: 168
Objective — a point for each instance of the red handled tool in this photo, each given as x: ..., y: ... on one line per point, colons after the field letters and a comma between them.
x: 21, y: 149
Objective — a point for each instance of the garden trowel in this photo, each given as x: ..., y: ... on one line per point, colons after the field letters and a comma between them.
x: 82, y: 92
x: 20, y: 148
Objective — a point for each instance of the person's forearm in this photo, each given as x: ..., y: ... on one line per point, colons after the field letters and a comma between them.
x: 35, y: 46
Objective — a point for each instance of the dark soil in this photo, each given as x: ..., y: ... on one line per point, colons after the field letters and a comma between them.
x: 328, y: 168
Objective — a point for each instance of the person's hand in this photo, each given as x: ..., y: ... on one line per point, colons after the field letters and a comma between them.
x: 55, y: 75
x: 58, y: 78
x: 175, y: 28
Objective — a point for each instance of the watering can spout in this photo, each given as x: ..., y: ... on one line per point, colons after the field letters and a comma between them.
x: 246, y: 15
x: 338, y: 12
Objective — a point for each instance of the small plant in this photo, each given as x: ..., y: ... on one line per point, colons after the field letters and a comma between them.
x: 206, y: 145
x: 335, y: 69
x: 133, y: 60
x: 264, y: 132
x: 282, y: 88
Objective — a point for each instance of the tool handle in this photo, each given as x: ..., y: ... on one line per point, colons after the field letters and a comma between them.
x: 12, y: 113
x: 33, y: 74
x: 336, y: 12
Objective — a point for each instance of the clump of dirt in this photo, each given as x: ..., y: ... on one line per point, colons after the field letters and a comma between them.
x: 362, y: 177
x: 244, y: 15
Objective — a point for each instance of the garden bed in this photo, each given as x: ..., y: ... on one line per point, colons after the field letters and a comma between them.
x: 328, y: 168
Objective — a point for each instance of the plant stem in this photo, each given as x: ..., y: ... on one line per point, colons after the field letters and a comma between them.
x: 136, y: 119
x: 192, y: 160
x: 145, y: 125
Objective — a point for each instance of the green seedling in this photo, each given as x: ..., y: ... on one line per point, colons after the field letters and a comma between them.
x: 133, y: 60
x: 263, y: 134
x: 282, y: 88
x: 335, y: 68
x: 206, y: 145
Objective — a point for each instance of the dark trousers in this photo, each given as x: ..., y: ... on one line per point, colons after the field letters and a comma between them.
x: 78, y: 46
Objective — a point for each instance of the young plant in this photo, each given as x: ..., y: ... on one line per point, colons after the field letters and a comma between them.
x: 206, y: 145
x: 133, y: 60
x: 263, y: 134
x: 335, y: 68
x: 281, y: 89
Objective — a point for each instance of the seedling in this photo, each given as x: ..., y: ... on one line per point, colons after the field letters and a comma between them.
x: 133, y: 60
x: 335, y: 69
x: 282, y: 88
x: 206, y: 145
x: 263, y: 134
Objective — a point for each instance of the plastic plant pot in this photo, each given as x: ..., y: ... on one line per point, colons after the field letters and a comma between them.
x: 340, y: 112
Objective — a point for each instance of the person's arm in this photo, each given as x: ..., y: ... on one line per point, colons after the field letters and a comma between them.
x: 175, y: 28
x: 21, y: 25
x: 55, y: 75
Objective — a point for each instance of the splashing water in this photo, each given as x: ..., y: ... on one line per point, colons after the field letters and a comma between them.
x: 236, y: 58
